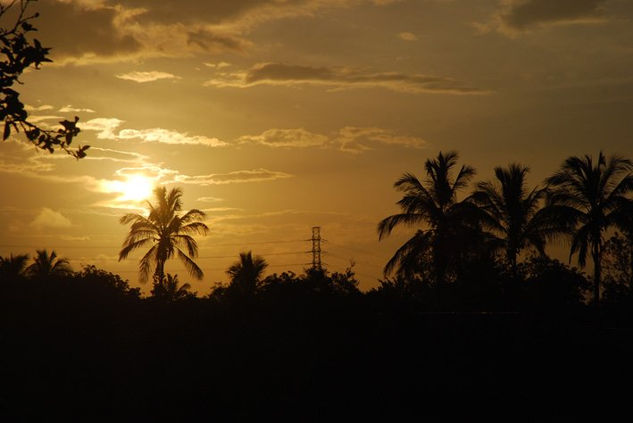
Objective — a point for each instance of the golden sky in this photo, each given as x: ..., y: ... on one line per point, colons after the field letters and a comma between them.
x: 275, y: 116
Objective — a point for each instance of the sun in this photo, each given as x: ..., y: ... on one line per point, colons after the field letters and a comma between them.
x: 135, y: 188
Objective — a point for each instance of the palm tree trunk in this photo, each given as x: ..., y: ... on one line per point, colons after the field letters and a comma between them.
x: 159, y: 273
x: 597, y: 270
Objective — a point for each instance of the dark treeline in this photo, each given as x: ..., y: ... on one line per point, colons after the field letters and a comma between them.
x: 474, y: 319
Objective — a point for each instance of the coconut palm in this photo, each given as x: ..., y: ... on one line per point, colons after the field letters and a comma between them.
x: 590, y: 198
x: 13, y: 267
x: 169, y: 288
x: 246, y: 273
x: 166, y: 232
x: 513, y: 212
x: 47, y: 265
x: 448, y: 223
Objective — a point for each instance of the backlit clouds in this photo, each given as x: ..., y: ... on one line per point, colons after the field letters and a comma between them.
x: 241, y: 176
x: 339, y: 78
x: 349, y: 139
x: 515, y: 16
x: 407, y: 36
x: 150, y: 76
x: 107, y: 128
x: 48, y: 218
x: 117, y: 30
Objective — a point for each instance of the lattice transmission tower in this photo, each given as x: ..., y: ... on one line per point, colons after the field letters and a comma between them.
x: 316, y: 247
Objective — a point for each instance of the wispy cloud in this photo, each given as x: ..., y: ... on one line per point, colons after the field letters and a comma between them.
x: 142, y: 77
x: 106, y: 128
x: 240, y: 176
x: 516, y: 16
x: 210, y: 199
x: 48, y: 218
x: 349, y: 139
x: 41, y: 108
x: 339, y: 78
x: 70, y: 109
x: 408, y: 36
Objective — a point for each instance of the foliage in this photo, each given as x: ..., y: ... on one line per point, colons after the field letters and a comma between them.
x: 169, y: 289
x: 47, y: 265
x: 513, y: 212
x: 451, y: 226
x: 105, y: 282
x: 167, y: 232
x: 17, y: 54
x: 13, y: 267
x: 245, y: 274
x: 550, y: 284
x: 589, y: 197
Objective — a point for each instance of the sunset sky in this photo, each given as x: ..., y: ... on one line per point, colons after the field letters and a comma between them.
x: 274, y: 116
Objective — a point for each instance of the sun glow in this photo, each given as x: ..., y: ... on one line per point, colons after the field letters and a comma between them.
x: 135, y: 188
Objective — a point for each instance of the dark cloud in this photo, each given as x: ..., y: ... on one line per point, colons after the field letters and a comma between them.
x: 76, y: 30
x: 98, y: 30
x: 340, y: 78
x: 524, y: 14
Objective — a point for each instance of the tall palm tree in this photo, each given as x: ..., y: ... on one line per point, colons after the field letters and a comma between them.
x: 513, y: 212
x: 166, y: 232
x: 13, y: 267
x: 48, y: 265
x: 169, y: 288
x: 589, y: 197
x: 246, y: 273
x: 447, y: 223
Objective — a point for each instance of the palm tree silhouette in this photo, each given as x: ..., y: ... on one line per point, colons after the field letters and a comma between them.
x: 448, y: 222
x: 513, y: 213
x: 246, y: 273
x: 45, y: 265
x: 169, y: 289
x: 167, y: 232
x: 589, y: 197
x: 13, y: 267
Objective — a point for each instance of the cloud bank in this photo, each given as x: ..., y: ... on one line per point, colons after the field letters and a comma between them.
x: 339, y: 78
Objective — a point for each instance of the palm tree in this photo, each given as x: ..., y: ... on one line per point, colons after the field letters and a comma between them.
x: 169, y: 289
x: 589, y: 197
x: 45, y: 265
x: 448, y: 223
x: 13, y: 267
x: 246, y: 273
x: 513, y: 213
x: 167, y: 232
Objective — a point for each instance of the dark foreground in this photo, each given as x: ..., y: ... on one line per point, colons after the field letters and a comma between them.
x: 107, y: 357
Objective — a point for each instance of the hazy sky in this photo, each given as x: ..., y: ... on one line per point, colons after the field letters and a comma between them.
x: 278, y: 115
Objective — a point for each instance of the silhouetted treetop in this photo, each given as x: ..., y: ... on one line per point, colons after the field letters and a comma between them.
x: 166, y: 232
x: 18, y: 52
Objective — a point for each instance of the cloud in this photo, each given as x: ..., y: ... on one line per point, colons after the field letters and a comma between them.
x: 286, y: 138
x: 166, y: 136
x: 240, y: 176
x: 210, y: 199
x: 50, y: 219
x: 106, y: 128
x: 220, y: 65
x: 408, y: 36
x: 349, y: 139
x: 41, y: 108
x: 120, y: 30
x: 356, y: 140
x: 70, y: 109
x: 150, y: 76
x: 516, y: 16
x: 339, y: 78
